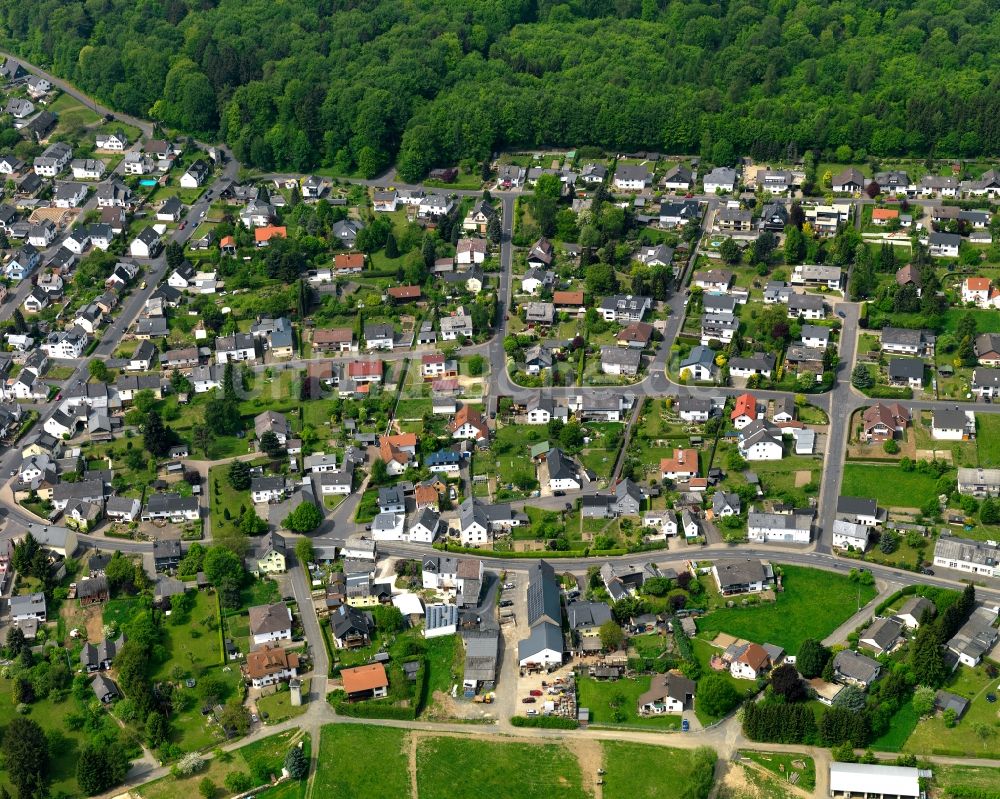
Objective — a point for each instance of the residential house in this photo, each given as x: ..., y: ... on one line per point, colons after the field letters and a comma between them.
x: 741, y: 575
x: 883, y: 421
x: 787, y: 528
x: 944, y: 245
x: 195, y: 175
x: 851, y: 668
x: 720, y: 179
x: 953, y: 424
x: 861, y: 510
x: 632, y: 178
x: 268, y: 489
x: 975, y: 638
x: 745, y: 411
x: 171, y: 507
x: 806, y: 306
x: 850, y: 535
x: 986, y: 382
x: 912, y: 611
x: 906, y: 372
x: 760, y: 363
x: 678, y: 178
x: 470, y: 251
x: 700, y: 364
x: 819, y: 276
x: 751, y: 663
x: 563, y: 473
x: 618, y: 361
x: 624, y: 308
x: 270, y: 664
x: 270, y: 623
x: 979, y: 482
x: 682, y: 466
x: 365, y: 682
x: 882, y: 636
x: 759, y: 441
x: 236, y: 348
x: 734, y: 220
x: 469, y: 424
x: 904, y: 341
x: 987, y: 349
x: 668, y: 693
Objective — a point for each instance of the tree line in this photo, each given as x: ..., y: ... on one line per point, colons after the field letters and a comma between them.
x: 357, y: 86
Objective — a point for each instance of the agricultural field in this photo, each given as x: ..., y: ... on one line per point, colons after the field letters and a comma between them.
x: 812, y: 605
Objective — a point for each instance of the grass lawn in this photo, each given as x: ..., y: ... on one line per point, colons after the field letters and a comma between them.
x: 260, y: 758
x: 639, y: 771
x: 51, y: 716
x: 903, y: 723
x: 812, y: 605
x: 279, y: 707
x: 227, y: 498
x: 599, y: 696
x: 988, y: 440
x: 466, y: 768
x: 782, y: 764
x: 932, y: 736
x: 986, y: 321
x: 889, y: 485
x: 972, y: 779
x: 377, y: 758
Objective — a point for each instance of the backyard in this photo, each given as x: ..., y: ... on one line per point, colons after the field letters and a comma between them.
x: 260, y: 759
x: 616, y: 703
x: 812, y: 605
x: 976, y: 733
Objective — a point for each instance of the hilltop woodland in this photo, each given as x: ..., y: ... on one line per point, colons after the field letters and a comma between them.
x: 355, y: 85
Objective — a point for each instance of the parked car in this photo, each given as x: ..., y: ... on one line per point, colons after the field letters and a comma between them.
x: 506, y: 603
x: 535, y: 692
x: 508, y: 586
x: 532, y: 712
x: 528, y: 700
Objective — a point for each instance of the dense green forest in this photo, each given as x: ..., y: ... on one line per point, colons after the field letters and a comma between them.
x: 359, y: 84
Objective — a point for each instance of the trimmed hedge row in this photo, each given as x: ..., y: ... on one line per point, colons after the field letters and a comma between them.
x: 548, y: 722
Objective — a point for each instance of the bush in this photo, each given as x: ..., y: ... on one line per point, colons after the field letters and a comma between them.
x: 238, y: 782
x: 890, y: 447
x: 547, y: 722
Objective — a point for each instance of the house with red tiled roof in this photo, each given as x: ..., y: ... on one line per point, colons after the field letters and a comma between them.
x: 745, y: 411
x: 469, y: 423
x: 981, y: 292
x: 365, y: 371
x: 365, y: 682
x: 270, y: 664
x: 883, y: 421
x: 337, y: 339
x: 345, y: 263
x: 262, y: 236
x: 883, y: 216
x: 750, y: 663
x: 682, y: 466
x: 404, y: 292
